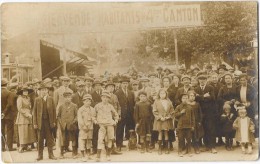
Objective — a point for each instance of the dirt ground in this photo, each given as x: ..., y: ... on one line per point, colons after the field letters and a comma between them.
x: 136, y: 156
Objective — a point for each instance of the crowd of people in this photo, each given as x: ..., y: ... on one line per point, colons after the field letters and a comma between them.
x: 196, y: 108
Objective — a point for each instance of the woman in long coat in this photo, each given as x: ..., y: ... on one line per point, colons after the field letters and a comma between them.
x: 24, y: 119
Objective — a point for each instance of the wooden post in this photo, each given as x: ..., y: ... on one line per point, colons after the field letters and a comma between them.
x: 64, y: 55
x: 176, y: 49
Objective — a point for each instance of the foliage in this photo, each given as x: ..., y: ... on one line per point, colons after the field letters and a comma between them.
x: 228, y: 29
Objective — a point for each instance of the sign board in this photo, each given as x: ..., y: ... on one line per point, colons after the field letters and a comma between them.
x: 120, y: 18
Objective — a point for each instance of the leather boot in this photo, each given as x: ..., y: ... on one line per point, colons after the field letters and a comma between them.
x: 108, y: 154
x: 83, y: 159
x: 74, y: 152
x: 98, y: 155
x: 88, y: 152
x: 167, y: 147
x: 40, y: 155
x: 51, y: 155
x: 147, y: 147
x: 160, y: 147
x: 143, y: 147
x: 62, y: 152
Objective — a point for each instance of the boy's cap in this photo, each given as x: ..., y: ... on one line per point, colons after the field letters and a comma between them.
x: 142, y: 93
x: 80, y: 83
x: 185, y: 76
x: 87, y: 96
x: 105, y: 93
x: 67, y: 93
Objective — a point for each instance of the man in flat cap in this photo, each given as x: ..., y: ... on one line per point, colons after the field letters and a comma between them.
x: 44, y: 120
x: 88, y: 81
x: 206, y: 98
x: 77, y: 98
x: 60, y: 99
x: 159, y: 73
x: 67, y: 120
x: 185, y: 80
x: 96, y: 96
x: 127, y: 102
x: 78, y: 95
x: 145, y: 81
x: 110, y: 87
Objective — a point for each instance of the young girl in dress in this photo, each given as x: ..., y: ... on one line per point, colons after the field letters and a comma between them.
x: 163, y: 113
x: 198, y: 132
x: 245, y: 129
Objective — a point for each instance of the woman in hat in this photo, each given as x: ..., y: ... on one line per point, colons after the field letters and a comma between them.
x: 175, y: 85
x: 24, y: 119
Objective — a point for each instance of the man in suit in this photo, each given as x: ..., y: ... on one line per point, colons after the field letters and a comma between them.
x: 59, y: 99
x: 77, y: 99
x: 127, y: 102
x: 206, y: 98
x: 44, y: 120
x: 159, y: 73
x: 78, y: 95
x: 186, y: 80
x: 10, y: 115
x: 96, y: 96
x: 217, y: 85
x: 88, y: 82
x: 4, y: 104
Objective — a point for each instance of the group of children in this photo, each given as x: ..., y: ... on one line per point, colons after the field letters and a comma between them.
x: 102, y: 114
x: 188, y: 116
x: 157, y: 115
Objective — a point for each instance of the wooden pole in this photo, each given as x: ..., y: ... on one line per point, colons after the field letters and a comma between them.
x: 64, y: 55
x: 176, y: 49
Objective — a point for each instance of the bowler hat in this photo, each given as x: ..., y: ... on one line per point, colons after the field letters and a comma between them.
x: 20, y: 92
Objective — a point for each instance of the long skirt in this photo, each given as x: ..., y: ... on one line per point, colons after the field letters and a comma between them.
x: 26, y: 134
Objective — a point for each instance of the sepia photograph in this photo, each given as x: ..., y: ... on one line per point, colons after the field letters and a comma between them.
x: 153, y: 81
